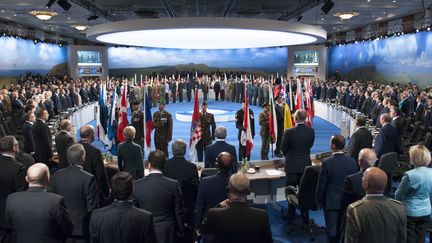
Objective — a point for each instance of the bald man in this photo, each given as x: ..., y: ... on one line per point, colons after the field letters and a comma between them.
x: 375, y: 219
x: 36, y: 215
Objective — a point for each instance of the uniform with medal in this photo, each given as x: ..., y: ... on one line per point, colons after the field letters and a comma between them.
x: 163, y: 128
x: 138, y: 124
x: 207, y: 137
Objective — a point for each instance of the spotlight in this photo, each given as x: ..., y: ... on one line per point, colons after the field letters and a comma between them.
x: 64, y: 4
x: 428, y: 28
x: 92, y: 17
x: 299, y: 18
x: 50, y: 3
x: 328, y: 5
x: 417, y: 30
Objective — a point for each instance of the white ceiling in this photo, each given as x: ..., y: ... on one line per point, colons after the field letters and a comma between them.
x: 373, y: 11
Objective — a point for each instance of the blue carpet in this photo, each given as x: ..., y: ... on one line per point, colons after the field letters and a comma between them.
x: 323, y: 129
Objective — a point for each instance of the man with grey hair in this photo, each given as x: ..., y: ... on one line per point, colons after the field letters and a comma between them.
x: 93, y: 162
x: 387, y: 140
x: 130, y: 155
x: 223, y: 223
x: 81, y: 197
x: 213, y: 150
x: 63, y: 141
x: 186, y: 173
x: 51, y: 223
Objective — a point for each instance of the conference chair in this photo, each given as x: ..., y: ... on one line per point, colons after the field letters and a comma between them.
x: 388, y: 163
x: 427, y: 141
x: 208, y: 172
x: 304, y: 199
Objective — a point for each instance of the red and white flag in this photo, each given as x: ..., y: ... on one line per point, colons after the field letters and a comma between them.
x: 122, y: 116
x: 272, y: 118
x: 246, y: 135
x: 196, y: 131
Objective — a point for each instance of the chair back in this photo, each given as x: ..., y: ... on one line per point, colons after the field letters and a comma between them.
x: 428, y: 140
x: 208, y: 172
x: 388, y: 163
x: 307, y: 188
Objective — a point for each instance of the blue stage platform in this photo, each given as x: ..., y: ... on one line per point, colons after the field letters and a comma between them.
x: 323, y: 129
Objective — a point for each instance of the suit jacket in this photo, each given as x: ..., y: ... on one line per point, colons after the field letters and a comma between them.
x: 28, y: 137
x: 62, y: 142
x: 12, y: 179
x: 130, y: 158
x: 121, y: 222
x: 213, y: 150
x: 296, y: 145
x: 17, y: 106
x: 211, y: 191
x: 366, y: 105
x: 398, y: 124
x: 42, y: 141
x: 237, y: 223
x: 81, y: 196
x: 57, y: 107
x: 352, y: 189
x: 186, y: 174
x: 50, y: 108
x: 94, y: 165
x: 362, y: 138
x: 387, y: 140
x: 46, y: 220
x: 331, y: 178
x: 162, y: 197
x: 382, y: 111
x: 25, y: 159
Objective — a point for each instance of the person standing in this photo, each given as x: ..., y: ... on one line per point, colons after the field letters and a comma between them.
x: 42, y: 139
x: 180, y: 89
x: 361, y: 138
x: 217, y: 89
x: 174, y: 90
x: 81, y: 196
x: 63, y: 141
x: 213, y: 150
x: 414, y: 191
x: 167, y: 91
x: 138, y: 123
x: 163, y: 128
x: 30, y: 118
x: 188, y: 90
x: 330, y: 182
x: 130, y: 157
x: 264, y: 119
x: 205, y: 89
x: 51, y: 223
x: 296, y: 145
x: 207, y: 120
x: 239, y: 124
x: 279, y: 107
x: 376, y: 219
x: 387, y: 140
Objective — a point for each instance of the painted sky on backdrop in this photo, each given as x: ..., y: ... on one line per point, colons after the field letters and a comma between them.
x: 274, y: 58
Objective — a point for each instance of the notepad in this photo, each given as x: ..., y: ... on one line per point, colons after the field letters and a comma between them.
x: 273, y: 172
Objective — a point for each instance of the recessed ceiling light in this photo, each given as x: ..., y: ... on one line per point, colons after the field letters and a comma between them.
x: 43, y: 14
x: 14, y: 15
x: 80, y: 27
x: 2, y: 11
x: 69, y: 18
x: 368, y: 1
x: 346, y: 15
x: 394, y: 1
x: 322, y: 19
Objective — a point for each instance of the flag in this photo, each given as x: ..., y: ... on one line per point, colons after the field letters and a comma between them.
x: 102, y: 118
x: 148, y: 123
x: 122, y: 116
x: 196, y: 132
x: 290, y: 95
x: 246, y: 135
x: 287, y: 117
x: 111, y: 120
x: 299, y: 96
x: 272, y: 120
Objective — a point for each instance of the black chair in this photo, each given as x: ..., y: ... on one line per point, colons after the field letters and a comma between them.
x: 208, y: 172
x: 428, y: 140
x: 304, y: 199
x: 388, y: 163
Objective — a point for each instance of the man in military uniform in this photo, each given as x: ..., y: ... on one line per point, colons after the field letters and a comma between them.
x: 239, y: 125
x: 138, y: 124
x: 264, y: 121
x: 375, y: 218
x: 207, y: 137
x: 188, y: 90
x: 205, y: 88
x: 217, y: 89
x: 163, y: 128
x: 180, y: 88
x: 174, y: 90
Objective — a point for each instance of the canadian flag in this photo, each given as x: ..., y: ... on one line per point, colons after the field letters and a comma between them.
x: 246, y: 135
x: 122, y: 116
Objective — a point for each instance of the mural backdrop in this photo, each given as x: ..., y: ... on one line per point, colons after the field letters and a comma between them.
x: 18, y: 56
x: 407, y: 58
x: 127, y: 61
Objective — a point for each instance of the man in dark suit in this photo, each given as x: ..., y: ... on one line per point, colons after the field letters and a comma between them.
x: 49, y: 104
x: 30, y: 118
x: 213, y: 150
x: 387, y: 140
x: 367, y: 103
x: 42, y: 139
x: 235, y: 221
x: 186, y: 173
x: 162, y: 197
x: 383, y: 219
x: 397, y: 120
x: 93, y: 162
x: 239, y: 125
x: 81, y: 196
x: 122, y: 221
x: 212, y: 189
x: 12, y: 180
x: 330, y: 181
x: 279, y: 107
x: 387, y: 103
x: 361, y: 138
x: 296, y: 145
x: 57, y: 107
x: 36, y: 215
x: 63, y: 141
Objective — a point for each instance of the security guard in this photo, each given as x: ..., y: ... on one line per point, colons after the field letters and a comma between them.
x: 264, y: 121
x: 138, y: 124
x: 163, y: 128
x: 207, y: 137
x: 239, y: 125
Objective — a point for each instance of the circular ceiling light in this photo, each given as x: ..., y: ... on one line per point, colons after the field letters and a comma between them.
x: 206, y: 33
x: 80, y: 27
x: 346, y: 15
x: 43, y: 14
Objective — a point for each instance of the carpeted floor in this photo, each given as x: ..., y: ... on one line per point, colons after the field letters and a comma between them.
x: 181, y: 130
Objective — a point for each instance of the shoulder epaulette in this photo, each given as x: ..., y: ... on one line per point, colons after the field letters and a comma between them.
x: 396, y: 201
x: 355, y: 204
